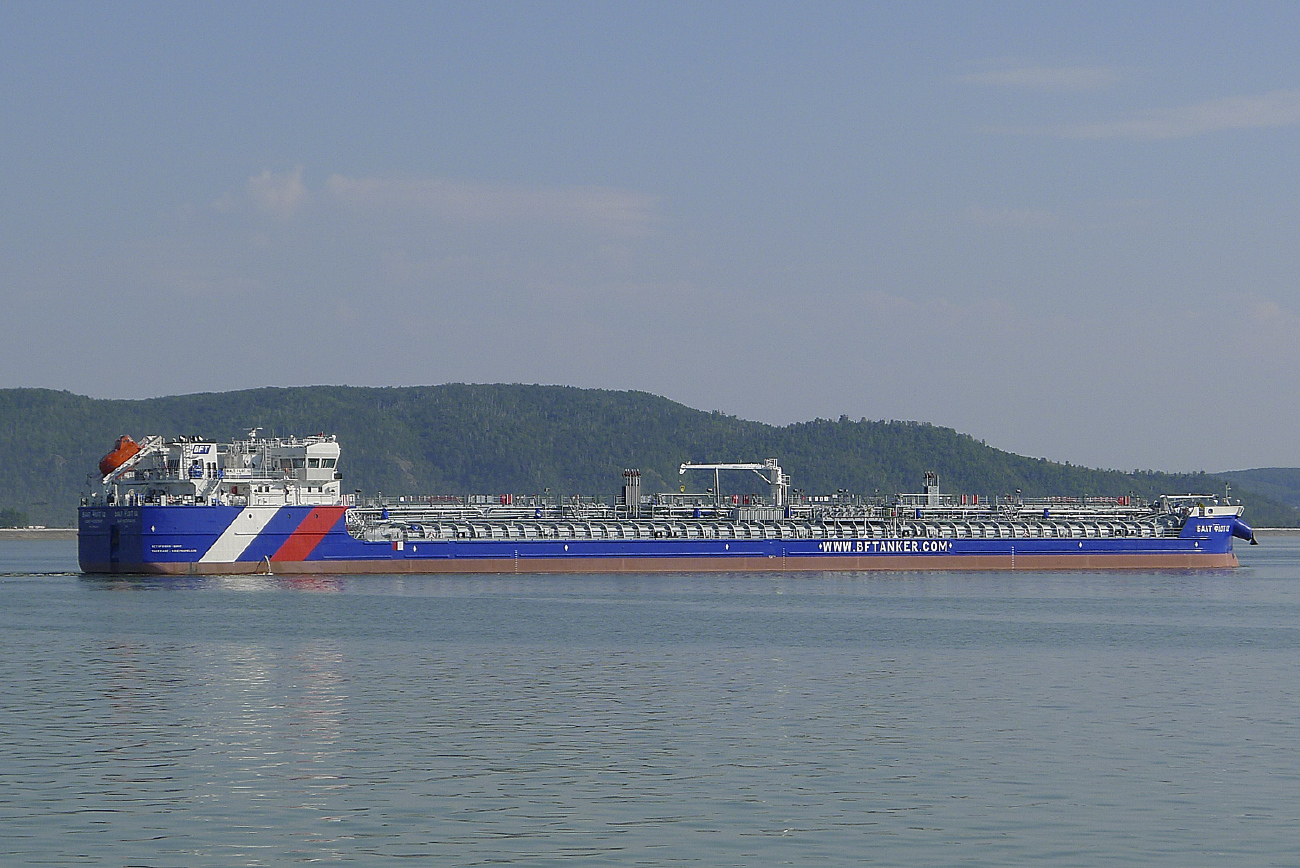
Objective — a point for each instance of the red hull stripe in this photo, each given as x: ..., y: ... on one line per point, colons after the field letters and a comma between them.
x: 303, y: 541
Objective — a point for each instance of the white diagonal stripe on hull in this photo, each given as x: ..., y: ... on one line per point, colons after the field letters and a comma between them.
x: 241, y: 532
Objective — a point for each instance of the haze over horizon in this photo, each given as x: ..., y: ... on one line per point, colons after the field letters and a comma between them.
x: 1069, y: 232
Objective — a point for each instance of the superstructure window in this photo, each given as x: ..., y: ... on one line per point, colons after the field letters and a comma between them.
x: 327, y: 462
x: 313, y: 462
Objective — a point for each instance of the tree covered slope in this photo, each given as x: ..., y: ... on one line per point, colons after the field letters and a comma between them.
x: 1278, y: 483
x: 457, y: 439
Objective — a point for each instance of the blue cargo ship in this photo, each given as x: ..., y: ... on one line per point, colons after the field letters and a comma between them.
x: 276, y: 506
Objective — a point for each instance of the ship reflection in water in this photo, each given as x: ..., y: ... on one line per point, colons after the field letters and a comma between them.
x: 692, y: 718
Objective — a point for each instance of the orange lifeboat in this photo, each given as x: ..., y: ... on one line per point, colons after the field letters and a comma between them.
x: 120, y: 454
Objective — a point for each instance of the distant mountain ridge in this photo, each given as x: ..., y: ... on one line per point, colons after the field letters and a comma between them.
x: 458, y: 439
x: 1281, y: 484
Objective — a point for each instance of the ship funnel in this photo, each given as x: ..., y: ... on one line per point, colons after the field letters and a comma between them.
x: 632, y: 492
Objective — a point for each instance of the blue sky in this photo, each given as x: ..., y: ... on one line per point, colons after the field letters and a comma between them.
x: 1070, y: 231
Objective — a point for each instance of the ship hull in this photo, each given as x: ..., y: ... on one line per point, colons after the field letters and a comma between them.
x: 215, y: 540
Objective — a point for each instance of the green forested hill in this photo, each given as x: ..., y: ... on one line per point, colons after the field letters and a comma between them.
x: 458, y: 439
x: 1279, y: 483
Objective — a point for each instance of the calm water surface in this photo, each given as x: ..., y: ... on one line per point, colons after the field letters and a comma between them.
x: 897, y: 719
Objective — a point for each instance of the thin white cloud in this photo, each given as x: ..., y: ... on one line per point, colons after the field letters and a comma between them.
x: 1048, y: 78
x: 1279, y: 108
x: 622, y: 212
x: 1269, y: 319
x: 1011, y: 218
x: 278, y: 195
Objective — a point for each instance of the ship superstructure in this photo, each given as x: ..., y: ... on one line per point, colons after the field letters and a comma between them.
x: 253, y: 471
x: 191, y: 505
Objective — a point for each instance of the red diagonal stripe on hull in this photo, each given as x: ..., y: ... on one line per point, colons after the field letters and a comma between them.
x: 304, y: 539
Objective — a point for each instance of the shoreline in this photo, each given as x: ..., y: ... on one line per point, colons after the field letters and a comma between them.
x: 37, y: 533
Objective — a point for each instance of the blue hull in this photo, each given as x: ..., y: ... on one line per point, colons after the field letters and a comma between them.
x: 306, y: 539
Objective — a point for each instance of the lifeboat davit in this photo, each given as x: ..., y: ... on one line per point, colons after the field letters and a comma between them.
x: 125, y: 449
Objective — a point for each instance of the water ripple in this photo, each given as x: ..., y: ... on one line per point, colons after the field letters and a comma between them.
x: 1052, y: 720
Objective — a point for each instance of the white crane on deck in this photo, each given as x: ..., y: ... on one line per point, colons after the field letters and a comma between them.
x: 777, y: 478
